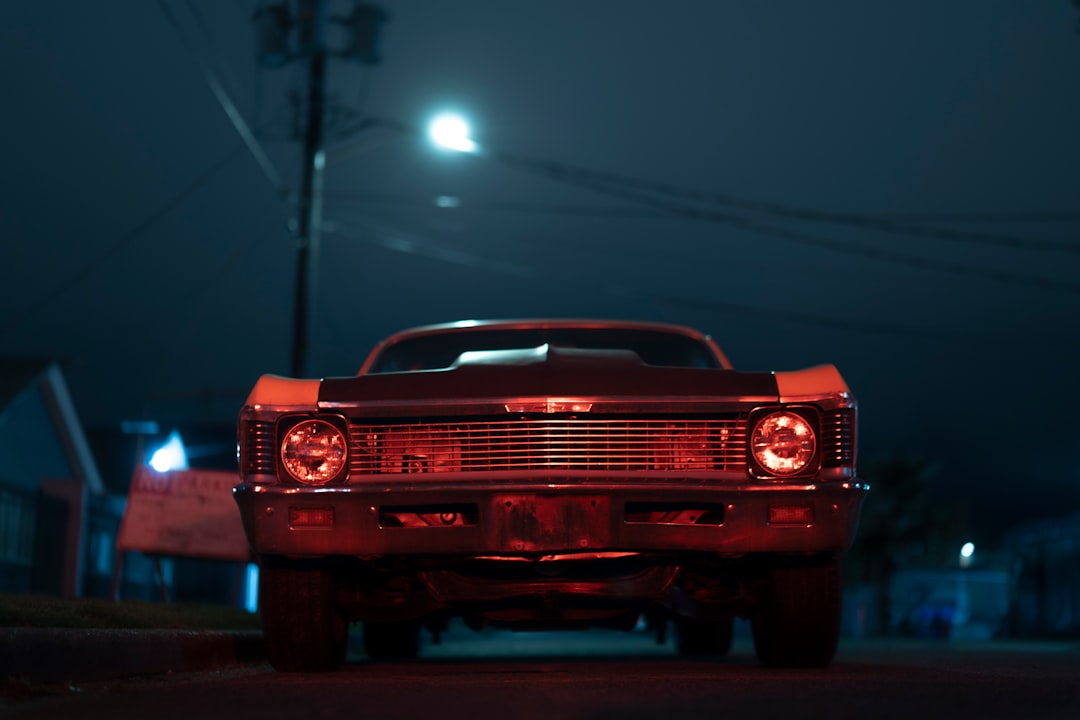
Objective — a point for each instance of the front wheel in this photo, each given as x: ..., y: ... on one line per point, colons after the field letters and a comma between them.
x: 797, y: 623
x: 303, y: 630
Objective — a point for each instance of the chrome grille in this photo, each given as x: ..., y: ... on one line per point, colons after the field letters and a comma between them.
x: 556, y: 444
x: 258, y: 455
x: 838, y: 438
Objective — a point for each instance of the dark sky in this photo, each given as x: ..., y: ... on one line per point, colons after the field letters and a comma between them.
x: 889, y: 186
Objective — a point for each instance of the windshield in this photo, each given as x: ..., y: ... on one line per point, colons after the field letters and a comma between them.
x: 439, y: 351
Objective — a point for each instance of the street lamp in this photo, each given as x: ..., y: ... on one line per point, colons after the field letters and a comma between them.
x: 967, y: 554
x: 451, y: 132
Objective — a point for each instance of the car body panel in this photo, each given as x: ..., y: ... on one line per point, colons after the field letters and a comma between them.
x: 559, y: 479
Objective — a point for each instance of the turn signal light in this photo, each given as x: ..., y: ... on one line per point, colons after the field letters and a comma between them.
x: 791, y: 514
x: 311, y: 517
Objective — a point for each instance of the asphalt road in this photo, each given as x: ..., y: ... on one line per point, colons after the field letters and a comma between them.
x: 605, y: 675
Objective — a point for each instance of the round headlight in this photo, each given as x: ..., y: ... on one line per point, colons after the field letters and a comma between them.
x: 314, y: 451
x: 783, y: 443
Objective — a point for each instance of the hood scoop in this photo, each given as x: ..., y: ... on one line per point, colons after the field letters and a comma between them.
x: 546, y: 353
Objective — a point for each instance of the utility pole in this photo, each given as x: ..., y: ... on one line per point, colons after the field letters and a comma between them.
x: 312, y: 40
x: 274, y: 24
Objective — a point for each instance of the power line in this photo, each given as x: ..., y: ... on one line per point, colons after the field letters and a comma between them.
x: 194, y: 290
x: 401, y: 242
x: 797, y: 236
x: 1044, y: 216
x: 948, y: 218
x: 887, y: 223
x: 121, y: 242
x: 602, y: 244
x: 406, y: 243
x: 223, y: 98
x: 414, y: 201
x: 654, y: 195
x: 126, y: 239
x: 881, y: 223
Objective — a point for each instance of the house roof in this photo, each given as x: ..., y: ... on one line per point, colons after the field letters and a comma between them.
x: 17, y: 374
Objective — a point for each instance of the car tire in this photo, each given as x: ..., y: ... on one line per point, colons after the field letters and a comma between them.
x: 697, y: 638
x: 392, y: 640
x: 797, y: 622
x: 303, y: 630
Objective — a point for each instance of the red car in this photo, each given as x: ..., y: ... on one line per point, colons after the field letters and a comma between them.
x: 545, y: 474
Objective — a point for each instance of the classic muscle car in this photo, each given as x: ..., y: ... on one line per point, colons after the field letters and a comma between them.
x: 550, y: 473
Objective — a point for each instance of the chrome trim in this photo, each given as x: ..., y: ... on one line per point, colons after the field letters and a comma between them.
x: 549, y: 444
x: 684, y: 403
x: 548, y: 406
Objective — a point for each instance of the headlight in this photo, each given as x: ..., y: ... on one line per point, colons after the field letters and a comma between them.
x: 314, y: 451
x: 783, y: 442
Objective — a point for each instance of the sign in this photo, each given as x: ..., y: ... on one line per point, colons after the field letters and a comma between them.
x: 183, y: 513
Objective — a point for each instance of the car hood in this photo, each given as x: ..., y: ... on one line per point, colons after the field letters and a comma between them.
x: 548, y: 372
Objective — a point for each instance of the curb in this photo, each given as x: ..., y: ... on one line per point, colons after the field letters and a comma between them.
x: 69, y: 655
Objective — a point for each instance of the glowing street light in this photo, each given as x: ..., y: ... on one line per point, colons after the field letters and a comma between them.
x: 170, y: 456
x: 452, y: 133
x: 967, y: 553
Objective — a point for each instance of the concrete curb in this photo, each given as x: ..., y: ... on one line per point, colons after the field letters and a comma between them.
x: 81, y: 655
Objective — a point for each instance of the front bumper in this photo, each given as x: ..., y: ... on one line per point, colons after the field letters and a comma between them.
x: 540, y: 517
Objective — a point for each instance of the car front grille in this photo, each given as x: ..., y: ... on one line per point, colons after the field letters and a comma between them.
x: 838, y: 438
x: 557, y: 444
x: 258, y: 452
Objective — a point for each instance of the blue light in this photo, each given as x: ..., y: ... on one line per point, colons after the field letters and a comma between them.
x: 251, y: 596
x: 171, y: 455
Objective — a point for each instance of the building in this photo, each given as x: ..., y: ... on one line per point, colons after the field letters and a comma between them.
x: 60, y: 517
x: 1045, y: 574
x: 49, y: 484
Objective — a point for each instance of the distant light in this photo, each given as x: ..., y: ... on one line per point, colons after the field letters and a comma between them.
x: 447, y: 201
x: 967, y: 552
x: 251, y: 597
x: 451, y: 132
x: 171, y: 455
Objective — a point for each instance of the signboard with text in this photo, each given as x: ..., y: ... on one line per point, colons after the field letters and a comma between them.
x: 183, y: 513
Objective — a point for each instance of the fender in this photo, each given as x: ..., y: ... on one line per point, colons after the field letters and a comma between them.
x: 815, y: 383
x: 278, y: 390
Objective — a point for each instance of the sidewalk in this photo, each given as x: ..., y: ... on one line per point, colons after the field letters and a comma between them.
x: 73, y: 655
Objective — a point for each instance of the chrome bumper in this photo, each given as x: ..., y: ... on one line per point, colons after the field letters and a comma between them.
x: 543, y: 518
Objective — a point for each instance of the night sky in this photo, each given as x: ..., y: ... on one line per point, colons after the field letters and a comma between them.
x: 893, y: 187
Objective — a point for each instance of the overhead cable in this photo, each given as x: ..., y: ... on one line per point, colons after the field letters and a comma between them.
x: 881, y: 223
x: 223, y: 98
x: 402, y: 242
x: 797, y: 236
x: 122, y: 241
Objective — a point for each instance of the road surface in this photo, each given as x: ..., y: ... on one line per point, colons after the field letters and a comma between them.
x: 603, y: 674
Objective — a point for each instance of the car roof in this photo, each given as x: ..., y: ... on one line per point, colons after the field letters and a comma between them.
x: 542, y: 324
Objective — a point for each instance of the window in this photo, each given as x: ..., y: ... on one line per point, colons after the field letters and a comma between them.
x: 16, y: 527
